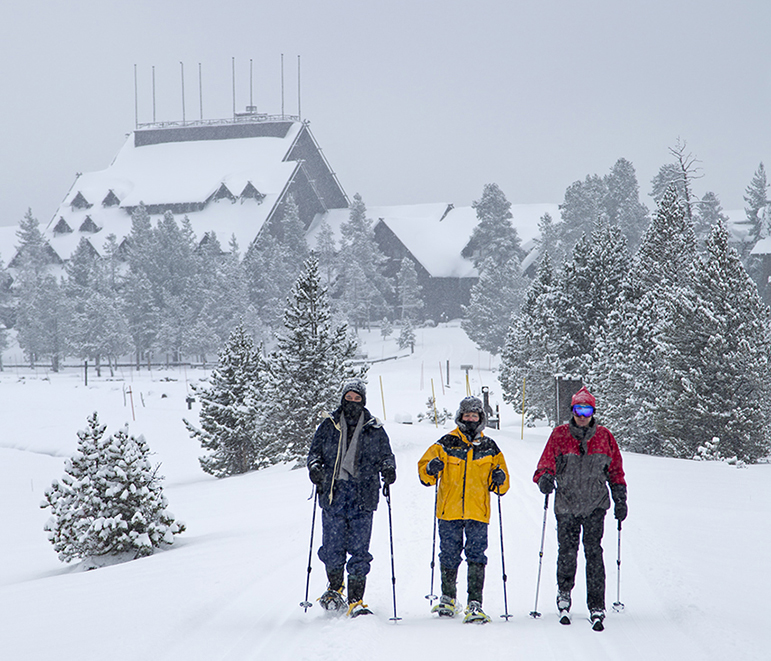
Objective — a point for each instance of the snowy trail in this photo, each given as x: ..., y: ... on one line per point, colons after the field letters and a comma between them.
x: 694, y: 547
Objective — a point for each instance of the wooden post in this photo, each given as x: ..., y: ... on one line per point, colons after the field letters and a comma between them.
x: 85, y: 372
x: 433, y: 398
x: 382, y: 397
x: 523, y: 408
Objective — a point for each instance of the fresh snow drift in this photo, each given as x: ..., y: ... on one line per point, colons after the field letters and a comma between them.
x: 694, y: 548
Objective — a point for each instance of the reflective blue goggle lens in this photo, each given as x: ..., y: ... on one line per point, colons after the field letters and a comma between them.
x: 583, y: 410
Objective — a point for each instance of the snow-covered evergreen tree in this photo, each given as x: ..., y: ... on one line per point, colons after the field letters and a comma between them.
x: 231, y: 431
x: 110, y: 500
x: 709, y: 212
x: 495, y: 298
x: 622, y: 202
x: 407, y: 336
x: 361, y: 287
x: 311, y: 360
x: 386, y: 328
x: 582, y: 207
x: 715, y: 343
x: 530, y: 352
x: 494, y: 237
x: 626, y: 364
x: 756, y: 197
x: 326, y: 252
x: 408, y: 289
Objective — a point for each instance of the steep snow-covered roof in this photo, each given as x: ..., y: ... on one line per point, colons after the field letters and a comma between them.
x: 436, y: 234
x: 186, y: 175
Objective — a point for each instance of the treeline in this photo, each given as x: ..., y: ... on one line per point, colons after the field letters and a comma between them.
x: 168, y: 294
x: 672, y: 334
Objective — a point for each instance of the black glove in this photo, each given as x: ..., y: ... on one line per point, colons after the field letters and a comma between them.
x: 316, y: 473
x: 435, y: 466
x: 497, y: 477
x: 389, y: 474
x: 546, y: 483
x: 618, y: 491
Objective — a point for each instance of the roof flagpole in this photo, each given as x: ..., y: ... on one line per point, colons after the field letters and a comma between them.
x: 182, y: 73
x: 299, y: 111
x: 136, y: 104
x: 200, y: 90
x: 153, y: 94
x: 251, y: 85
x: 282, y: 86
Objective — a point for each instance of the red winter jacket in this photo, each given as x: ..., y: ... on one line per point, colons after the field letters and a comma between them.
x: 582, y: 473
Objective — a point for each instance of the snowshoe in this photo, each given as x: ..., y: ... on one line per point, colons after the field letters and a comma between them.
x: 563, y: 605
x: 597, y: 617
x: 447, y: 607
x: 358, y: 608
x: 475, y: 614
x: 333, y: 601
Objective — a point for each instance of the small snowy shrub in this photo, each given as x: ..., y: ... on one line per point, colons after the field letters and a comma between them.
x: 110, y: 501
x: 434, y: 413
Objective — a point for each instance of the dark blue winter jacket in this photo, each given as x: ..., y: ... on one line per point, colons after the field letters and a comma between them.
x: 374, y: 454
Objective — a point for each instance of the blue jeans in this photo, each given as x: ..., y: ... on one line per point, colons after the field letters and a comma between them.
x: 346, y: 530
x: 451, y: 542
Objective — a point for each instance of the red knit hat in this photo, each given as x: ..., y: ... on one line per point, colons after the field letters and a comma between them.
x: 583, y: 396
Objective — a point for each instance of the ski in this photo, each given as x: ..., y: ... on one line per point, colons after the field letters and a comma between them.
x: 597, y: 620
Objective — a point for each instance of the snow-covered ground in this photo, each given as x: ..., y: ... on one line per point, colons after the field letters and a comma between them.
x: 694, y: 550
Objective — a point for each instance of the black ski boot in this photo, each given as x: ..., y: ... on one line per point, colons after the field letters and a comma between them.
x: 448, y: 605
x: 476, y: 584
x: 333, y: 599
x: 356, y: 605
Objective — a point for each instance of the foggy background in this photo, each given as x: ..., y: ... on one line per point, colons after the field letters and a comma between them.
x: 412, y: 101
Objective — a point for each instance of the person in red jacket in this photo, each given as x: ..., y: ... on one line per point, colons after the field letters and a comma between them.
x: 583, y: 458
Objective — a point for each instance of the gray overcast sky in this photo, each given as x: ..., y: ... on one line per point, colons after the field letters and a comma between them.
x: 412, y: 100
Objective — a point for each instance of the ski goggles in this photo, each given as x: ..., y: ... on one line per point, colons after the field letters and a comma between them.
x: 583, y: 410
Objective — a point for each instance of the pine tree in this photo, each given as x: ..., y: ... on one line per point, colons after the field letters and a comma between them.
x: 709, y: 212
x: 622, y: 202
x: 110, y: 501
x: 409, y: 290
x: 407, y: 336
x: 494, y: 237
x: 716, y: 349
x: 494, y: 299
x: 626, y: 363
x: 231, y: 430
x: 583, y: 206
x: 326, y: 252
x: 756, y: 197
x: 530, y: 352
x: 311, y: 361
x: 361, y: 286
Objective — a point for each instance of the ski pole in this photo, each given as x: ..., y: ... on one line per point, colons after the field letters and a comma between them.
x: 431, y: 596
x: 617, y: 605
x: 534, y: 612
x: 506, y: 613
x: 307, y: 604
x: 387, y: 494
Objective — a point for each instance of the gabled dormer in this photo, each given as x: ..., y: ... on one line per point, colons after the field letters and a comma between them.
x: 223, y: 193
x: 110, y: 200
x: 62, y: 227
x: 88, y: 225
x: 251, y: 193
x: 80, y: 202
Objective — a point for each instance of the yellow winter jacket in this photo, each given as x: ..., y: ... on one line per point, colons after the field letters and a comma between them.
x: 464, y: 483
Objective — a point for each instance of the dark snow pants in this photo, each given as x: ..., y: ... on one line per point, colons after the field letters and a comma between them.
x: 451, y: 542
x: 346, y: 530
x: 569, y: 529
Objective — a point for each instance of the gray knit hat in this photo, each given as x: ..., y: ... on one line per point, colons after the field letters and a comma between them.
x: 358, y: 386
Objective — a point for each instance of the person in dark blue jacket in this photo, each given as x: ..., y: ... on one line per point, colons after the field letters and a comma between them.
x: 349, y: 453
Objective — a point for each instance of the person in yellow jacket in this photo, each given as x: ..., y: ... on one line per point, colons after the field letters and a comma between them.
x: 468, y: 466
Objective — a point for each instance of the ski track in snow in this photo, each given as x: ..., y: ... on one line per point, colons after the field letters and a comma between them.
x: 693, y: 548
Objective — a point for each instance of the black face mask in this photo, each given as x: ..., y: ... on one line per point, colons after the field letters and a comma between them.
x: 471, y: 426
x: 352, y: 410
